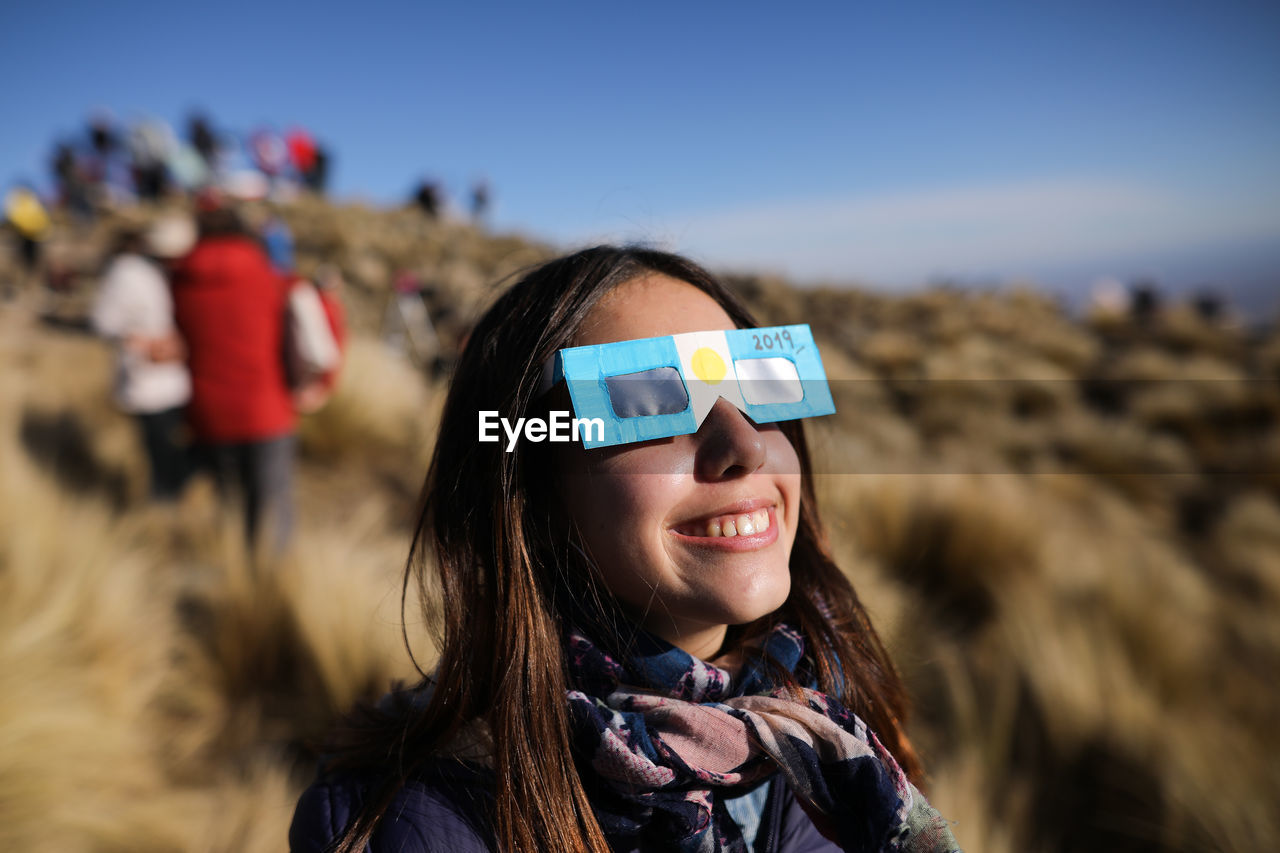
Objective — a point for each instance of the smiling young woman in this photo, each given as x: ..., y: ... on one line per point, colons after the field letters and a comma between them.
x: 643, y: 647
x: 647, y: 512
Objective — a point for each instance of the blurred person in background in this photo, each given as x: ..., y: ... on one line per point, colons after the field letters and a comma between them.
x: 203, y: 139
x: 313, y: 339
x: 1210, y: 305
x: 134, y: 310
x: 318, y: 180
x: 481, y: 198
x: 187, y: 169
x: 406, y: 323
x: 106, y: 166
x: 303, y: 155
x: 311, y: 392
x: 68, y: 177
x: 1146, y: 301
x: 103, y: 138
x: 26, y: 217
x: 270, y: 155
x: 229, y: 304
x: 151, y: 145
x: 427, y: 197
x: 277, y: 239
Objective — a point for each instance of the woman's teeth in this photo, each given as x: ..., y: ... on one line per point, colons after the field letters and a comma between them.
x: 744, y: 524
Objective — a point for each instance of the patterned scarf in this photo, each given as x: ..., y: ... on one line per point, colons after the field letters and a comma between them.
x: 662, y: 742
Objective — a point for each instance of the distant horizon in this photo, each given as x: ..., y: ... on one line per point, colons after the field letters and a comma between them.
x: 1247, y: 275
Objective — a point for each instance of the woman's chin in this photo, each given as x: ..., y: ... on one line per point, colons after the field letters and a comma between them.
x: 751, y: 599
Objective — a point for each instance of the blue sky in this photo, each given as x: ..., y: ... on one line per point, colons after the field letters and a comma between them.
x: 884, y: 143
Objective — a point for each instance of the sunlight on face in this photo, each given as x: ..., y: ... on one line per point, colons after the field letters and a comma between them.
x: 691, y: 533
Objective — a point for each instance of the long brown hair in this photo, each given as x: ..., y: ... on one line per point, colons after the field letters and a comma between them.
x: 507, y: 581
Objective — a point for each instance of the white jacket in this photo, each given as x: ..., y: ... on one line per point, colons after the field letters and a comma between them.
x: 134, y: 299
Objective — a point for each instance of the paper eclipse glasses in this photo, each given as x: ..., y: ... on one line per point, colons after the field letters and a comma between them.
x: 660, y: 387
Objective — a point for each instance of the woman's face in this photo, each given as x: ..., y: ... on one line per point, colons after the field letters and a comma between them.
x: 691, y: 533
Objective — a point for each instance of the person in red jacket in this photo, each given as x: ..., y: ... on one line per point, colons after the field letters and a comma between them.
x: 229, y: 305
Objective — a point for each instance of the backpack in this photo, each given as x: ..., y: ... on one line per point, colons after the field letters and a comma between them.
x: 310, y: 350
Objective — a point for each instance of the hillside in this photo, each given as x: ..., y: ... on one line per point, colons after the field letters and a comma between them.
x: 1069, y: 532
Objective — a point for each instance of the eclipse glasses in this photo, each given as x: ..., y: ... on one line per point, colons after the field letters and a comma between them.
x: 660, y: 387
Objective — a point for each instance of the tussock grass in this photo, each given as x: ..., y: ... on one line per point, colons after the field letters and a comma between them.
x: 1051, y: 630
x: 1035, y: 511
x: 158, y: 687
x: 343, y: 589
x: 84, y: 663
x: 381, y: 409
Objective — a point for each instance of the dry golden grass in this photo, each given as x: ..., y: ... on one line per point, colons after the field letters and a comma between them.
x: 381, y: 409
x: 156, y: 686
x: 1081, y: 632
x: 1085, y: 613
x: 1083, y: 604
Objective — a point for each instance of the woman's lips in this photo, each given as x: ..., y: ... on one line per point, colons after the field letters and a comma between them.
x: 738, y: 531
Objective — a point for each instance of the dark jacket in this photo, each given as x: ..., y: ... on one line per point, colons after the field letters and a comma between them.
x: 446, y: 807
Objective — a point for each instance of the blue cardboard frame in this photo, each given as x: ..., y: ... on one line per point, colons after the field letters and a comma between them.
x: 585, y: 369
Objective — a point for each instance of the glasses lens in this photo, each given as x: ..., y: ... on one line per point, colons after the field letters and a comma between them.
x: 769, y: 380
x: 659, y: 391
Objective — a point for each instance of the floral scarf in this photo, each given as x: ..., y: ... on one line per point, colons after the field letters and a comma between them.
x: 662, y: 742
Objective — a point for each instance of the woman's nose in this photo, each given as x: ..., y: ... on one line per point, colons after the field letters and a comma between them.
x: 729, y: 445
